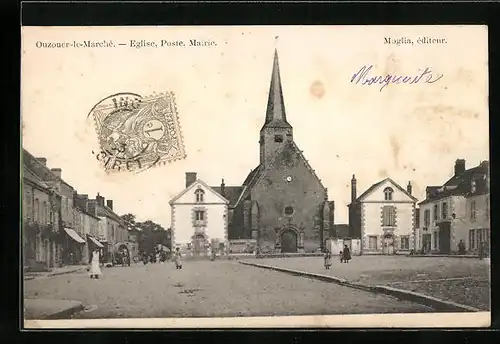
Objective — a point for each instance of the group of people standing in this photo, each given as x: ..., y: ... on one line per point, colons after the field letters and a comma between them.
x: 345, y: 257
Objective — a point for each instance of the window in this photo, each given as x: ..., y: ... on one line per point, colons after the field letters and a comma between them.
x: 472, y: 241
x: 405, y: 242
x: 37, y: 210
x: 427, y: 218
x: 199, y: 195
x: 435, y: 240
x: 372, y: 242
x: 45, y: 213
x: 473, y: 210
x: 278, y: 138
x: 444, y: 210
x: 388, y: 194
x: 388, y: 216
x: 199, y: 215
x: 289, y: 211
x: 435, y: 212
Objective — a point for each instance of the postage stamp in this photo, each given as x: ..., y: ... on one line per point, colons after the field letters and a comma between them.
x: 136, y: 133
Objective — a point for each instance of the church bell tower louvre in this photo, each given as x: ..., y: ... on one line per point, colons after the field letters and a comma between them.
x: 276, y: 131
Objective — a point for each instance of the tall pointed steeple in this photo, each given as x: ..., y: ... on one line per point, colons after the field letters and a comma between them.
x: 276, y: 115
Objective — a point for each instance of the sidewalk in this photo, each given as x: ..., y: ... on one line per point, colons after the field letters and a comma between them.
x: 55, y: 272
x: 38, y: 309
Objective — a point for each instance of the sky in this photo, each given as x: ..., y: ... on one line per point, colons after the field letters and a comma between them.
x: 406, y: 132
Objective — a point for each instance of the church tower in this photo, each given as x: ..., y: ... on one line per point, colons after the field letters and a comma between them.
x: 276, y: 131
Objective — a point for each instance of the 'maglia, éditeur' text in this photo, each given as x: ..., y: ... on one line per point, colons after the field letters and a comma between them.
x: 363, y: 77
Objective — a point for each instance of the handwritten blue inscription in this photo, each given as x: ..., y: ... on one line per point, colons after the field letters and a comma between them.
x: 363, y: 77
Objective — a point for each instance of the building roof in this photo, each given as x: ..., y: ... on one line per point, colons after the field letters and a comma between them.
x: 275, y: 114
x: 341, y: 230
x: 231, y: 193
x: 106, y: 211
x: 79, y: 207
x: 43, y: 172
x: 374, y: 186
x: 33, y: 178
x: 460, y: 185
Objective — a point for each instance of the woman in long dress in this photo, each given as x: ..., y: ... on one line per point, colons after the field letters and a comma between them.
x: 178, y: 256
x: 328, y: 259
x: 95, y: 269
x: 346, y: 254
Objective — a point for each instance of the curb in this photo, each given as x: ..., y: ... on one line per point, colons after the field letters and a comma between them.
x: 437, y: 304
x: 67, y: 313
x: 65, y: 272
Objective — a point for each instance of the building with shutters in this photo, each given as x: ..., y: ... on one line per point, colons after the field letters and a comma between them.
x: 199, y: 216
x: 457, y: 210
x: 383, y: 217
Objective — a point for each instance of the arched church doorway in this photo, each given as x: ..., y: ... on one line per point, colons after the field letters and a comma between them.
x: 289, y: 241
x: 199, y: 248
x: 388, y: 244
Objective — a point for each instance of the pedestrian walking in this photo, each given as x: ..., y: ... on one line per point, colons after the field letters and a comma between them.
x: 341, y: 255
x: 178, y: 256
x: 328, y: 260
x: 95, y: 269
x: 346, y: 254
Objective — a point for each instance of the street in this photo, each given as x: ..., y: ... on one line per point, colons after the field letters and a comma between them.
x: 208, y: 289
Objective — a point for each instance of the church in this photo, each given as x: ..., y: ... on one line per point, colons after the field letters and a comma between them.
x: 282, y: 203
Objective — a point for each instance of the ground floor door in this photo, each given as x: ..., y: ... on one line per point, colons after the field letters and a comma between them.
x: 289, y: 242
x: 444, y: 238
x: 388, y: 244
x: 426, y: 242
x: 199, y: 249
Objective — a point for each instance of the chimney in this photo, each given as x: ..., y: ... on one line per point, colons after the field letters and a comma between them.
x: 459, y: 166
x: 190, y: 178
x: 57, y: 172
x: 353, y: 188
x: 408, y: 188
x: 43, y: 161
x: 223, y: 188
x: 109, y: 203
x: 100, y: 200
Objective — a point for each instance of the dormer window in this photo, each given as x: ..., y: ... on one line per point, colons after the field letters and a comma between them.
x: 199, y: 195
x: 473, y: 186
x: 278, y: 138
x: 388, y: 194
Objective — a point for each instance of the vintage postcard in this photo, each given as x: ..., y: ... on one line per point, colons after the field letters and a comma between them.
x: 255, y: 176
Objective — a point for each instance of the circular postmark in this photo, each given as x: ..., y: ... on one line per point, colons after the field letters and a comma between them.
x: 135, y: 133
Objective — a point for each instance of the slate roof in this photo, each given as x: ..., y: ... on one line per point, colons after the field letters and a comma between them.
x: 460, y: 185
x: 341, y: 231
x: 32, y: 177
x: 231, y: 193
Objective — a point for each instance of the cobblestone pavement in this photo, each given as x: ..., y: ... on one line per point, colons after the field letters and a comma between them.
x: 461, y: 280
x: 204, y: 288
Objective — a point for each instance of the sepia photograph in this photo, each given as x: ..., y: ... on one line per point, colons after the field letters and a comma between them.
x: 255, y: 176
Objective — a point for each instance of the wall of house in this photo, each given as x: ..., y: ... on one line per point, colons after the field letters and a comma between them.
x: 304, y: 193
x: 372, y: 224
x: 481, y: 220
x: 183, y: 227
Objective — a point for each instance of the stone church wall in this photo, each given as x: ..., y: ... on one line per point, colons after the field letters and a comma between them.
x: 303, y: 193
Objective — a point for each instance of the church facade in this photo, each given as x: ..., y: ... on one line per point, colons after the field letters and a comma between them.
x: 282, y: 203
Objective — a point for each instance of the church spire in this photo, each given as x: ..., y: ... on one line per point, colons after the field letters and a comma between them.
x: 275, y: 115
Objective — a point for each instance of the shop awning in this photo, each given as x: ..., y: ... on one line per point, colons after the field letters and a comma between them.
x: 74, y: 235
x: 94, y: 240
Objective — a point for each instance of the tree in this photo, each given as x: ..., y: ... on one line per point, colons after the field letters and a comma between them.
x: 129, y: 220
x: 152, y: 234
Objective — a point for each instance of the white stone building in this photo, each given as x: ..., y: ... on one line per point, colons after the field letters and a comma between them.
x: 199, y: 219
x: 383, y: 217
x: 456, y: 211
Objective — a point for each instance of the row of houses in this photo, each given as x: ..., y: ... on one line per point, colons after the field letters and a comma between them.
x: 388, y: 219
x: 62, y: 227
